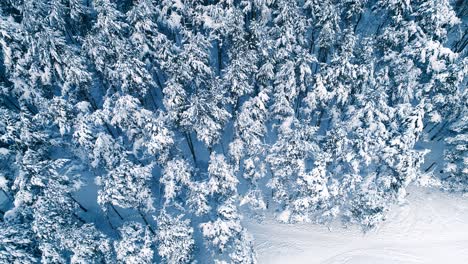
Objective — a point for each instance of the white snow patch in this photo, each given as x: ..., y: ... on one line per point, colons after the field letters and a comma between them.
x: 432, y: 227
x: 4, y: 151
x: 3, y: 182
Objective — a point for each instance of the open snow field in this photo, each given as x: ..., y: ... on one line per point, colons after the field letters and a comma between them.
x: 432, y: 227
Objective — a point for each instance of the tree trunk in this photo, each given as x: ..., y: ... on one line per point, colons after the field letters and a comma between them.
x: 117, y: 212
x: 439, y: 131
x: 12, y: 103
x: 357, y: 23
x: 79, y: 204
x: 319, y: 118
x: 190, y: 145
x: 428, y: 168
x: 79, y: 218
x: 146, y: 222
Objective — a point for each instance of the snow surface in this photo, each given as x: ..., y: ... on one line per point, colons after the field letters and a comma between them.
x: 432, y: 227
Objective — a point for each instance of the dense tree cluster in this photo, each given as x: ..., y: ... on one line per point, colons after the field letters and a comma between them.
x: 139, y: 131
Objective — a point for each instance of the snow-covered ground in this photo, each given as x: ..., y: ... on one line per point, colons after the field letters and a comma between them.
x: 432, y: 227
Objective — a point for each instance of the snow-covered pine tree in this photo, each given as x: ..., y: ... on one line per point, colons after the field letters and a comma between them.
x: 89, y: 245
x: 175, y: 239
x: 230, y: 242
x: 329, y: 103
x: 456, y: 161
x: 135, y: 245
x: 18, y: 244
x: 113, y: 55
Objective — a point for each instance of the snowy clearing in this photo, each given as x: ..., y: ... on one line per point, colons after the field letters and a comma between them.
x: 432, y: 227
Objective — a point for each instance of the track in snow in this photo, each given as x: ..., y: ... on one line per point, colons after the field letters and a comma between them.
x: 432, y: 227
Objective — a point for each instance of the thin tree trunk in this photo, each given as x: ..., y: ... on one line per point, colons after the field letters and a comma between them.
x: 463, y: 45
x: 190, y: 144
x: 459, y: 41
x: 312, y: 41
x: 439, y: 131
x: 34, y: 112
x: 79, y: 204
x: 117, y: 212
x: 79, y: 218
x: 378, y: 29
x: 319, y: 119
x: 448, y: 177
x: 146, y: 222
x: 425, y: 125
x: 298, y: 103
x: 428, y: 168
x: 12, y: 103
x: 152, y: 99
x: 432, y: 128
x: 112, y: 226
x: 158, y: 80
x: 6, y: 194
x: 357, y: 23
